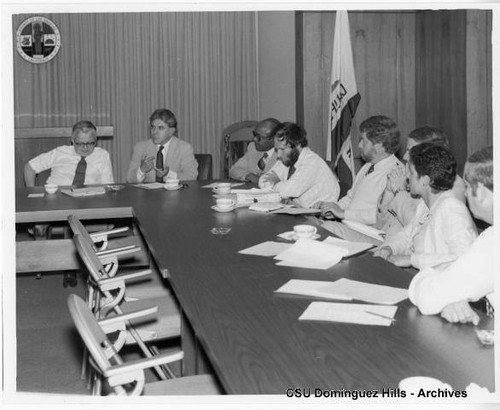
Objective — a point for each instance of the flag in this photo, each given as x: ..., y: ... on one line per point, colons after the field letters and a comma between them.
x: 344, y: 97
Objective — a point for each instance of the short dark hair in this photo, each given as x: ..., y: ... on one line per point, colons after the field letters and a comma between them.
x: 293, y: 133
x: 271, y: 125
x: 381, y: 129
x: 479, y: 168
x: 429, y: 134
x: 85, y: 127
x: 166, y: 116
x: 437, y: 162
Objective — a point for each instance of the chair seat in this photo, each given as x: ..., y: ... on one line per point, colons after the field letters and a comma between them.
x: 165, y: 324
x: 204, y: 384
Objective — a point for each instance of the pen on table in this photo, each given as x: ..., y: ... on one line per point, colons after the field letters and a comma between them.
x: 379, y: 315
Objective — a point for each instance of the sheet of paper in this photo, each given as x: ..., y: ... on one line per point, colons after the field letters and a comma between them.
x: 368, y: 292
x: 297, y: 211
x: 82, y: 192
x: 265, y: 206
x: 365, y: 229
x: 213, y: 184
x: 152, y: 185
x: 268, y: 248
x: 350, y: 313
x: 311, y: 254
x: 353, y: 248
x: 39, y: 195
x: 314, y: 288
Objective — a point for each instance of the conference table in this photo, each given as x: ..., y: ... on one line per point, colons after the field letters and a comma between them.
x: 251, y: 336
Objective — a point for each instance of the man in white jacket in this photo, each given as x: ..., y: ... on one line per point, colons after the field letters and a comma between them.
x: 471, y: 276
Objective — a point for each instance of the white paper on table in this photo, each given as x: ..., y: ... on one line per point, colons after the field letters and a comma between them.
x: 353, y: 248
x: 368, y: 292
x: 308, y: 253
x: 349, y: 313
x: 39, y: 195
x: 152, y: 185
x: 268, y: 248
x: 317, y: 288
x: 365, y: 229
x: 265, y: 206
x: 214, y: 184
x: 297, y: 211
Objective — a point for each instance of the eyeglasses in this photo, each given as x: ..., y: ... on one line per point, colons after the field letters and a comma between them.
x: 85, y: 144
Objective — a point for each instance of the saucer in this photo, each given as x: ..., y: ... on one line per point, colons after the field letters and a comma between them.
x: 292, y: 236
x: 175, y: 188
x: 216, y: 208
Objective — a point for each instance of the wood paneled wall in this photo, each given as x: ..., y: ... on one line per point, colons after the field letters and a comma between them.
x: 384, y: 61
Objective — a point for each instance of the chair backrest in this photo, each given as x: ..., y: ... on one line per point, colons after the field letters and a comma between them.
x: 78, y: 229
x: 235, y: 139
x: 204, y: 166
x: 89, y: 258
x: 96, y: 341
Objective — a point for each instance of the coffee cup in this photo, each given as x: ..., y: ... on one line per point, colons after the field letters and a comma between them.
x: 304, y: 231
x: 225, y: 203
x: 223, y: 187
x: 51, y: 188
x: 171, y: 183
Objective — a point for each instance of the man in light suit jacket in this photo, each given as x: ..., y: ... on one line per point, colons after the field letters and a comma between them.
x: 163, y: 155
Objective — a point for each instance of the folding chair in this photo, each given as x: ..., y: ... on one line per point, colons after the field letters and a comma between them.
x: 128, y: 378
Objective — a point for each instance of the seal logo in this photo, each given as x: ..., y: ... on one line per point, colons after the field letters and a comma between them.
x: 38, y: 40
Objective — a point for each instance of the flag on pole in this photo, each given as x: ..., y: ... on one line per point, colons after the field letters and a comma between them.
x: 344, y: 97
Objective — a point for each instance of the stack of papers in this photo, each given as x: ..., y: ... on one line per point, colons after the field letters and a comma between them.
x: 252, y: 196
x: 152, y: 185
x: 346, y: 289
x: 353, y: 248
x: 365, y: 229
x: 350, y: 313
x: 214, y: 184
x: 265, y: 206
x: 79, y: 192
x: 311, y: 254
x: 268, y: 248
x: 292, y: 210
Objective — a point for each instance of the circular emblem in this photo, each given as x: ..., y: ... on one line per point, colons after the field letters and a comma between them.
x: 38, y: 40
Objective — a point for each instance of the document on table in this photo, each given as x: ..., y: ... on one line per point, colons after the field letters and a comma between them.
x: 361, y: 314
x: 214, y: 184
x: 39, y: 195
x: 316, y: 288
x: 353, y: 248
x: 265, y: 207
x: 368, y: 292
x: 152, y: 185
x: 79, y: 192
x: 311, y: 254
x: 268, y: 248
x: 297, y: 211
x: 365, y: 229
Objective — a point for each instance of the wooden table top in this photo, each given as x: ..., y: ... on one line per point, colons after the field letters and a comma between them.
x: 253, y: 337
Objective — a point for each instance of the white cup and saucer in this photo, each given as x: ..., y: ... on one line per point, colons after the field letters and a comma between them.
x: 301, y: 232
x: 222, y: 188
x: 224, y: 205
x: 172, y: 184
x: 51, y: 188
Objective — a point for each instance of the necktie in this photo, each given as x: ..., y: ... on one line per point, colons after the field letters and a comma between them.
x: 291, y: 170
x: 159, y: 162
x: 81, y: 168
x: 370, y: 170
x: 262, y: 163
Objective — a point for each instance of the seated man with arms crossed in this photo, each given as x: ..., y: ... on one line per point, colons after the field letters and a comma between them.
x: 397, y: 206
x: 442, y: 228
x: 472, y: 275
x: 163, y: 155
x: 260, y: 156
x: 299, y: 175
x: 79, y: 164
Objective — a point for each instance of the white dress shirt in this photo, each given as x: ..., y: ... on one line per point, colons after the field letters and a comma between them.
x: 360, y: 202
x: 171, y: 174
x: 311, y: 182
x: 435, y: 236
x: 248, y: 163
x: 469, y: 278
x: 63, y: 160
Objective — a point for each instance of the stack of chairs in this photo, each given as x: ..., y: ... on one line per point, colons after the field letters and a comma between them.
x: 128, y: 378
x: 106, y: 296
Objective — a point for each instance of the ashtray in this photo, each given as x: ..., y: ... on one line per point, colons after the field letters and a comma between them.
x: 220, y: 231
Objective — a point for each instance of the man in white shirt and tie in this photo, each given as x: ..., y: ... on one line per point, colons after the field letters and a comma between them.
x: 299, y: 175
x: 81, y: 163
x: 260, y: 156
x: 163, y: 155
x: 380, y: 140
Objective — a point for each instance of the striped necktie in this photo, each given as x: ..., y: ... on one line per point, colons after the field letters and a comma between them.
x: 291, y: 171
x: 159, y: 162
x: 81, y: 168
x: 262, y: 162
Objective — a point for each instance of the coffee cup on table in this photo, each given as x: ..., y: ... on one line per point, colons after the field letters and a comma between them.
x: 51, y: 188
x: 225, y: 203
x: 223, y: 187
x: 171, y: 183
x: 304, y: 231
